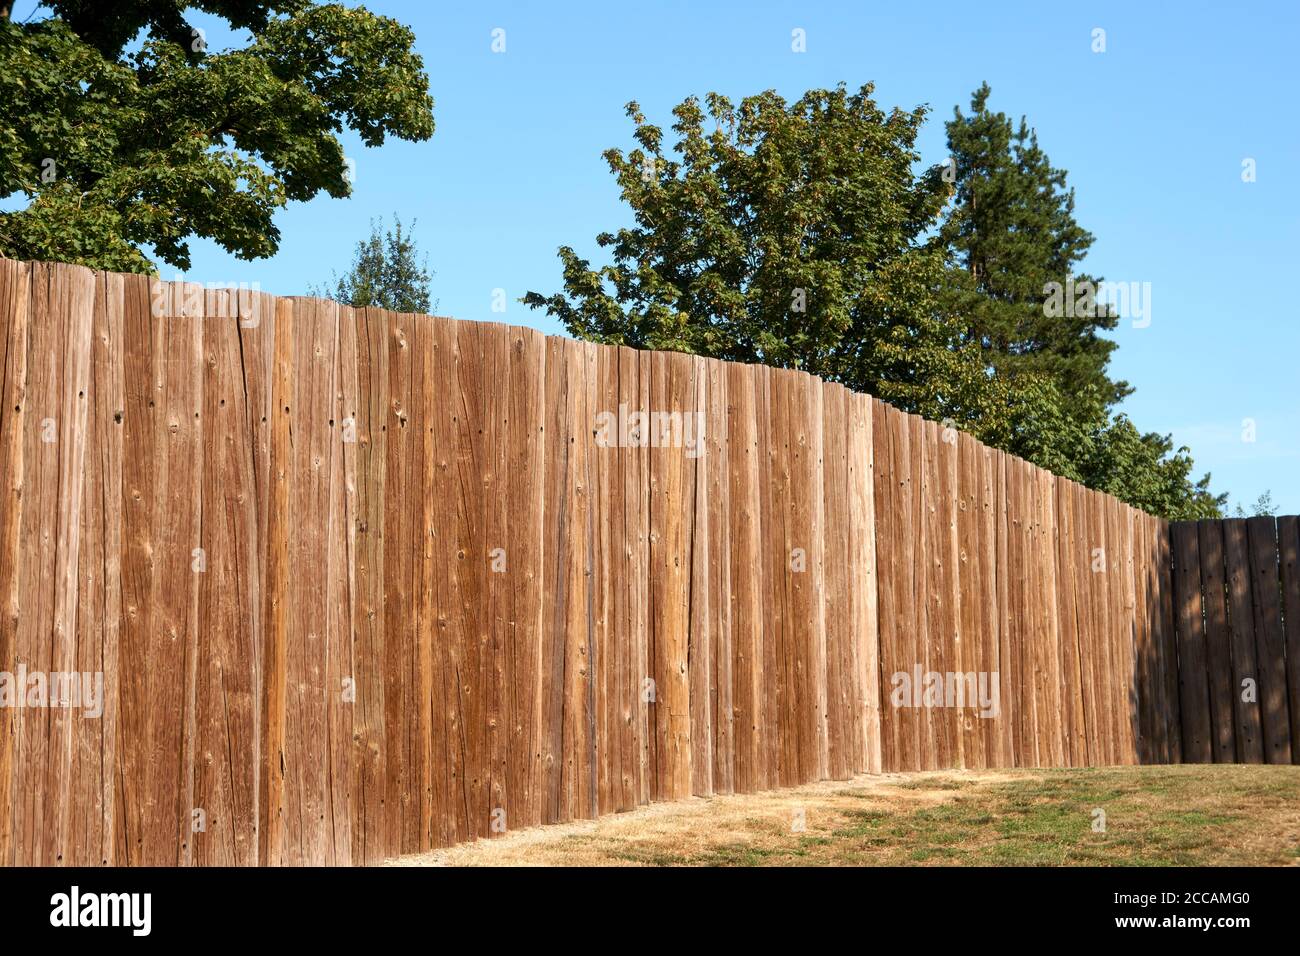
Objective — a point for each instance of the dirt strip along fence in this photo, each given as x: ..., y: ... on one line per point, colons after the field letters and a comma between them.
x: 361, y: 584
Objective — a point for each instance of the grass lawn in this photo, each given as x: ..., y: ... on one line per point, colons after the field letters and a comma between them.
x: 1183, y: 815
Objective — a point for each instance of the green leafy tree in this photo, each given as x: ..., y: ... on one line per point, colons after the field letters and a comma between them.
x: 798, y: 235
x: 791, y: 234
x: 122, y: 147
x: 386, y: 273
x: 1077, y: 437
x: 1011, y: 232
x: 1011, y: 236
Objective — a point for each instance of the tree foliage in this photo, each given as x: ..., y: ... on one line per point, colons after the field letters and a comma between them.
x: 121, y: 147
x: 386, y: 273
x: 801, y: 235
x: 1077, y: 437
x: 1011, y: 231
x: 1262, y: 508
x: 792, y: 234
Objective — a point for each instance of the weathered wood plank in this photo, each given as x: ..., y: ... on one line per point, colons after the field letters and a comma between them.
x: 817, y: 767
x: 1021, y: 680
x: 801, y: 644
x: 1269, y: 641
x: 1005, y: 723
x: 605, y: 564
x: 75, y: 312
x: 99, y: 603
x: 369, y: 428
x: 15, y: 320
x: 837, y: 567
x: 1075, y: 751
x: 717, y: 495
x: 699, y: 656
x: 672, y: 390
x: 1193, y: 680
x: 863, y: 585
x: 1245, y: 667
x: 526, y: 474
x: 746, y: 577
x: 1288, y: 537
x: 1218, y: 646
x: 885, y: 497
x: 226, y: 731
x: 970, y: 580
x: 438, y: 641
x: 988, y: 495
x: 940, y: 455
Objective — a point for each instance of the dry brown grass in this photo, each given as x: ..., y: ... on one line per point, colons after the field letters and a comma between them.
x: 1187, y: 815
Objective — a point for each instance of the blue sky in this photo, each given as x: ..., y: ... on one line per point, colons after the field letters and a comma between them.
x: 1153, y: 132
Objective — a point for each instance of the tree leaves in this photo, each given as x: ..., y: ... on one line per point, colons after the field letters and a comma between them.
x: 386, y: 273
x: 122, y: 152
x: 802, y: 235
x: 793, y: 234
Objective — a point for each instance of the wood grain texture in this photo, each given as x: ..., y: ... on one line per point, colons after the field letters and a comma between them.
x: 1269, y: 642
x: 1194, y: 692
x: 1218, y: 649
x: 1241, y: 615
x: 1288, y: 535
x: 360, y: 584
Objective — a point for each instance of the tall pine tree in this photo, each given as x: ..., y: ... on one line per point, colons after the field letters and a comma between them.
x: 1010, y: 233
x: 1011, y: 236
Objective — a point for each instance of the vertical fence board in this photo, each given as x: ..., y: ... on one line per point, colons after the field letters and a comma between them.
x: 1249, y: 720
x: 775, y: 560
x: 15, y: 318
x: 885, y: 499
x: 368, y: 608
x: 99, y: 604
x: 1051, y: 660
x: 525, y: 469
x: 722, y: 708
x: 818, y: 766
x: 225, y: 725
x: 745, y: 585
x: 1004, y: 724
x: 971, y: 647
x: 941, y: 448
x: 1218, y: 649
x: 987, y: 603
x: 1269, y: 643
x: 836, y: 568
x: 1075, y: 751
x: 1086, y: 615
x: 672, y: 389
x: 1021, y: 683
x: 805, y: 584
x: 863, y: 586
x: 1288, y: 535
x: 1193, y: 682
x: 1092, y: 574
x: 68, y: 643
x: 694, y: 419
x: 1169, y: 656
x: 493, y: 562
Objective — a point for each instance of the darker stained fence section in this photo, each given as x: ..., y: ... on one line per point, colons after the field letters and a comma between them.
x: 360, y: 584
x: 1237, y: 589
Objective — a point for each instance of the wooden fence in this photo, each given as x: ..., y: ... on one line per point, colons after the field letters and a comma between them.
x: 361, y: 584
x: 1237, y: 586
